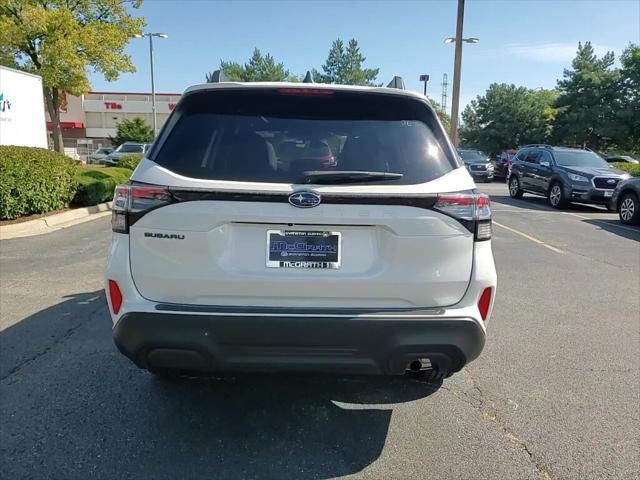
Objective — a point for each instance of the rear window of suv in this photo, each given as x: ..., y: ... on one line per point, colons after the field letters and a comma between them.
x: 276, y: 135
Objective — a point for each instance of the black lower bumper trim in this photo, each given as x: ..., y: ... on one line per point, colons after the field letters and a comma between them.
x: 220, y: 343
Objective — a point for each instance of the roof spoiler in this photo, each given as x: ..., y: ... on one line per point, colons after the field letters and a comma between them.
x: 397, y: 82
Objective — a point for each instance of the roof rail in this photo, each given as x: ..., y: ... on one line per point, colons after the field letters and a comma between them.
x: 396, y: 82
x: 534, y: 145
x: 218, y: 76
x: 308, y: 78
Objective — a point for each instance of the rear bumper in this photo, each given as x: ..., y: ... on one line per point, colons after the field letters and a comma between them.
x: 346, y: 342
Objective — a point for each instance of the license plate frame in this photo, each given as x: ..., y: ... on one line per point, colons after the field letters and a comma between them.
x: 304, y: 249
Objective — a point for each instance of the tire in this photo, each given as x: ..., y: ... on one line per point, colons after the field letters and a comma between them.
x: 515, y: 190
x: 555, y: 196
x: 629, y: 209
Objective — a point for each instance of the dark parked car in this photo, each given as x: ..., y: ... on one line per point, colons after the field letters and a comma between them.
x: 621, y: 159
x: 502, y: 164
x: 478, y: 164
x: 626, y: 200
x: 563, y: 175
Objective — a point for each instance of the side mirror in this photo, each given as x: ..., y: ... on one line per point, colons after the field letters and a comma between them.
x: 545, y: 164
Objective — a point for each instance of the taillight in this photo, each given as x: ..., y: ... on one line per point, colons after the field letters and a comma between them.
x: 115, y: 296
x: 483, y: 302
x: 130, y: 202
x: 472, y: 209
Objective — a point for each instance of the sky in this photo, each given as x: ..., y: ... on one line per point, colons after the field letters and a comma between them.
x: 524, y: 42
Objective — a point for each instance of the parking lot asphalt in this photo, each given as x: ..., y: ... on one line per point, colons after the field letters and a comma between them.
x: 555, y: 394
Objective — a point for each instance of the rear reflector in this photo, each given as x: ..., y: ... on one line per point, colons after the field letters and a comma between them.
x: 115, y: 296
x: 484, y: 302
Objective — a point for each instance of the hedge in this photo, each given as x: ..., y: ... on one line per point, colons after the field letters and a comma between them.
x: 34, y: 180
x: 633, y: 169
x: 96, y: 185
x: 130, y: 161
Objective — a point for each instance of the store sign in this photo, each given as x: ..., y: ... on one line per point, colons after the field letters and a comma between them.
x: 172, y: 106
x: 112, y: 106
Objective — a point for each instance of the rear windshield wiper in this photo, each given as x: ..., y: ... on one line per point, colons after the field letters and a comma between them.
x: 347, y: 176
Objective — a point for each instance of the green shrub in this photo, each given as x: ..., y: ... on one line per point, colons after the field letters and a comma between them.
x: 130, y: 161
x: 34, y: 180
x: 96, y: 185
x: 633, y: 169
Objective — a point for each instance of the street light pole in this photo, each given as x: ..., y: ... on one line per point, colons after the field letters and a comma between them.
x: 153, y: 85
x: 153, y: 89
x: 455, y: 97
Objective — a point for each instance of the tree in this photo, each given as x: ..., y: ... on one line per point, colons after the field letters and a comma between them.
x: 345, y: 66
x: 587, y: 100
x: 627, y: 108
x: 507, y: 116
x: 134, y: 130
x: 60, y: 39
x: 259, y: 69
x: 445, y: 119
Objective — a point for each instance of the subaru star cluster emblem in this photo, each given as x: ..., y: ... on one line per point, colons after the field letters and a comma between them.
x: 304, y: 199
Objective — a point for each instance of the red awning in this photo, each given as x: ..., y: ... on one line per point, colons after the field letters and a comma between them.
x: 66, y: 125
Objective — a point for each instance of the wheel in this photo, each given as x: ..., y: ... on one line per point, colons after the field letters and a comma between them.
x: 514, y: 187
x: 556, y: 196
x: 629, y: 209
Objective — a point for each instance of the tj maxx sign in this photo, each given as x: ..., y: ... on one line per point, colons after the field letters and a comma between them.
x: 127, y: 106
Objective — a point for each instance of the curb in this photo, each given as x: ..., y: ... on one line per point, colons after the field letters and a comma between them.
x: 58, y: 221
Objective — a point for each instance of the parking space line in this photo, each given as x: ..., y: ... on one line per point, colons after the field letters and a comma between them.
x: 529, y: 237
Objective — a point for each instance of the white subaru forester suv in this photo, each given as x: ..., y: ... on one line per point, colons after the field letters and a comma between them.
x: 301, y: 227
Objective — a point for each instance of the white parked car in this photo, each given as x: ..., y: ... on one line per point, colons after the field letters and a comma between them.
x: 374, y: 257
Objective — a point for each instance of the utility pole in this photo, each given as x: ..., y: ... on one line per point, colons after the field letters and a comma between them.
x: 457, y: 64
x: 457, y: 67
x: 425, y: 79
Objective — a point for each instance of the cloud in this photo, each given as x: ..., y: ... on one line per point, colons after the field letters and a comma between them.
x: 549, y: 52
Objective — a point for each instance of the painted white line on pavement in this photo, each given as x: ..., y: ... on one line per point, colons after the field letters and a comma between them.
x: 529, y: 237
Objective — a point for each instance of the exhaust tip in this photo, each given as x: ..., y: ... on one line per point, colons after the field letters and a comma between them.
x: 419, y: 365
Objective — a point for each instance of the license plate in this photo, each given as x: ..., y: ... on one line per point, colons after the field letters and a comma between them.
x: 303, y: 249
x: 608, y: 194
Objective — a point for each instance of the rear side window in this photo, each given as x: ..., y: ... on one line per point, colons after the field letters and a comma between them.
x: 278, y: 135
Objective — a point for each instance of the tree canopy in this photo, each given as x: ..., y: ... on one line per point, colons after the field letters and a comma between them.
x: 587, y: 100
x: 134, y: 130
x: 61, y: 39
x: 345, y: 66
x: 259, y: 68
x: 507, y: 116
